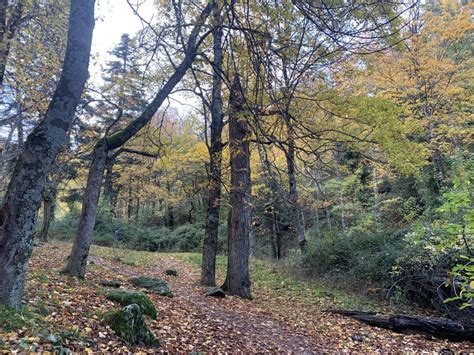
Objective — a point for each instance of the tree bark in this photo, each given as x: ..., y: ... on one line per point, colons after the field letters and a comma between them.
x: 47, y: 217
x: 23, y: 197
x: 80, y: 250
x: 296, y: 213
x: 208, y: 270
x: 49, y: 198
x: 238, y: 278
x: 108, y: 182
x: 8, y: 29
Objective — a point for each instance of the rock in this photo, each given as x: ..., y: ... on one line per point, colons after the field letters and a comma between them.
x: 111, y: 283
x: 129, y: 324
x: 215, y: 292
x: 357, y: 337
x: 156, y: 285
x: 171, y: 272
x: 126, y: 297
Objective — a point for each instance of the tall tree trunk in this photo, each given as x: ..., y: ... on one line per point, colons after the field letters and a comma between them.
x: 108, y: 183
x: 296, y: 213
x: 49, y: 202
x: 208, y: 270
x: 274, y: 236
x: 129, y: 201
x: 8, y: 29
x: 5, y: 154
x: 23, y: 197
x: 238, y: 279
x: 47, y: 218
x: 80, y: 250
x: 272, y: 204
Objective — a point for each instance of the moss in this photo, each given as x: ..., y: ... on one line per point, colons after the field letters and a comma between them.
x: 126, y: 298
x: 156, y: 285
x: 129, y: 324
x: 12, y: 320
x: 171, y: 272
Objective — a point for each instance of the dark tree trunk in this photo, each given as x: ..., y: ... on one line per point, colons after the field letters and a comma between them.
x: 208, y: 271
x: 49, y: 203
x: 23, y: 197
x: 108, y: 182
x: 238, y: 279
x: 8, y: 28
x: 47, y: 218
x: 296, y: 213
x: 77, y: 263
x: 129, y: 201
x: 274, y: 236
x: 80, y: 250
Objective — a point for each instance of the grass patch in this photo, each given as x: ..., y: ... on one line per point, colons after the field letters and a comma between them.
x: 12, y: 320
x: 268, y: 277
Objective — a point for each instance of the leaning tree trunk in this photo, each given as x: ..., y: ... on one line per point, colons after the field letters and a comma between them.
x: 80, y: 249
x: 238, y: 279
x: 296, y: 213
x: 23, y: 196
x: 208, y: 271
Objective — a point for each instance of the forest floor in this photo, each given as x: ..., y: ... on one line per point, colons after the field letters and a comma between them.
x: 286, y: 315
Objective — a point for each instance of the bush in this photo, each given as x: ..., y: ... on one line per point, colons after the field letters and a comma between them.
x: 356, y: 255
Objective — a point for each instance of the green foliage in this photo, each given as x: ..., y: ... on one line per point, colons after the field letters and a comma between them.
x: 364, y: 255
x: 114, y: 232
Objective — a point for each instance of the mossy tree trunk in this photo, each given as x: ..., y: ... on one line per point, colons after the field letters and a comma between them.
x: 23, y: 196
x: 238, y: 279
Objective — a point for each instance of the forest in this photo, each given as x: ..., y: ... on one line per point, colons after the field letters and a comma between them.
x: 237, y: 176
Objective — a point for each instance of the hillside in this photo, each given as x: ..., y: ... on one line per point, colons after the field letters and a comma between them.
x: 285, y: 315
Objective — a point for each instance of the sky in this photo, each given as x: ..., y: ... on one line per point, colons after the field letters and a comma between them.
x: 113, y: 18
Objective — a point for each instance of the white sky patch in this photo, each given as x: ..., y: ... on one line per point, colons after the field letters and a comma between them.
x: 114, y: 18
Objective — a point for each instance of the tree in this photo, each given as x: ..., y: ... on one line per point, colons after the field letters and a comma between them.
x: 208, y: 272
x: 80, y: 250
x: 8, y: 27
x: 237, y: 281
x: 21, y: 202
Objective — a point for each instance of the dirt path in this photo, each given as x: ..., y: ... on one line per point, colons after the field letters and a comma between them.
x: 193, y: 322
x: 213, y: 323
x: 190, y: 321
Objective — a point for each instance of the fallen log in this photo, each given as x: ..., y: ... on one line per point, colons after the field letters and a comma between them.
x: 439, y: 327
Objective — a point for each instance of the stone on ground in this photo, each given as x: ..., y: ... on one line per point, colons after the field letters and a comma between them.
x: 129, y: 324
x: 215, y: 292
x: 155, y: 285
x: 126, y: 297
x: 111, y: 283
x: 171, y: 272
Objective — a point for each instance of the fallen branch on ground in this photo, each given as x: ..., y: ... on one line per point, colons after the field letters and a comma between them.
x: 439, y: 327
